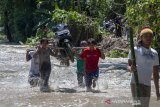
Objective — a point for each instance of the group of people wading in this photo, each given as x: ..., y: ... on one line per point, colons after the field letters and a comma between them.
x: 87, y: 64
x: 147, y: 63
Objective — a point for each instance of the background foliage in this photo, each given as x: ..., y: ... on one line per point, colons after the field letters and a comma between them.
x: 144, y: 13
x: 19, y: 17
x: 23, y: 19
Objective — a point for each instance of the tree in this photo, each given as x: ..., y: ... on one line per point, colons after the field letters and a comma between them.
x: 143, y: 13
x: 18, y: 18
x: 6, y: 14
x: 24, y: 19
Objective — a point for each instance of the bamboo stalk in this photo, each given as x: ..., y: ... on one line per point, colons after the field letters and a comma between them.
x: 137, y: 90
x: 61, y: 48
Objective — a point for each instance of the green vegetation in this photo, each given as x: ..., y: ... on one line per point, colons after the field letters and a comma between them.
x: 81, y: 25
x: 117, y: 54
x: 20, y: 17
x: 30, y: 20
x: 144, y: 13
x: 2, y: 36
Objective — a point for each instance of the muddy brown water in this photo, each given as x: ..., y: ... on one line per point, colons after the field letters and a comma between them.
x: 112, y: 90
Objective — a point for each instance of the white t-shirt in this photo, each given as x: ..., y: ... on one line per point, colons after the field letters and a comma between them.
x: 145, y: 60
x: 34, y: 67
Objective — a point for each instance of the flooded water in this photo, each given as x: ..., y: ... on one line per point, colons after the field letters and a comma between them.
x: 112, y: 90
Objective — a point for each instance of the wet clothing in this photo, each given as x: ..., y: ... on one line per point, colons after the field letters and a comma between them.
x: 34, y: 75
x: 80, y: 79
x: 91, y: 59
x: 144, y: 95
x: 45, y: 77
x: 145, y: 60
x: 34, y: 67
x: 45, y: 65
x: 80, y: 70
x: 90, y: 76
x: 80, y: 65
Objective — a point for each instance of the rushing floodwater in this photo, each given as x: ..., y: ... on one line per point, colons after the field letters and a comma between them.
x: 112, y: 87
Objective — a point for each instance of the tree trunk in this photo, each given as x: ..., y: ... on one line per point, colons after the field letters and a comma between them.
x: 6, y: 27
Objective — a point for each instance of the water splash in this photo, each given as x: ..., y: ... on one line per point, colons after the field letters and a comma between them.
x: 16, y: 92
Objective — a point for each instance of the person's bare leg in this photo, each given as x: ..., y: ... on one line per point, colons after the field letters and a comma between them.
x: 94, y: 82
x: 88, y: 81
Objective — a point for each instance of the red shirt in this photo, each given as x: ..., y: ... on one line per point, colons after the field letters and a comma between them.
x: 91, y: 59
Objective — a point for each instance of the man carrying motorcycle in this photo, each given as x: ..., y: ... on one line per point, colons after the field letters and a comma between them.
x: 44, y: 53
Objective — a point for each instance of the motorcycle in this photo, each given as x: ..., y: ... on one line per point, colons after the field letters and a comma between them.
x: 63, y: 41
x: 109, y: 26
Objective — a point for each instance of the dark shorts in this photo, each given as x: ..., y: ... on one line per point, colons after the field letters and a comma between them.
x: 45, y: 71
x: 89, y: 77
x: 93, y: 74
x: 145, y: 93
x: 46, y: 66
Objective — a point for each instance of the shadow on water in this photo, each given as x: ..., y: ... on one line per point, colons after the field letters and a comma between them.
x: 66, y: 90
x: 72, y: 90
x: 120, y: 65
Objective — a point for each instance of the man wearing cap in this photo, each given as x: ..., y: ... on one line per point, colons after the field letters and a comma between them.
x: 147, y: 64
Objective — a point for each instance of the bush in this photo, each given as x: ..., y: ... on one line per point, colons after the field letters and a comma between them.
x: 80, y: 26
x: 32, y: 41
x: 117, y: 54
x: 2, y: 36
x: 39, y: 35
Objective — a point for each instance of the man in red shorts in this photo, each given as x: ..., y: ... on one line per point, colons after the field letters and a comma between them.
x: 91, y: 57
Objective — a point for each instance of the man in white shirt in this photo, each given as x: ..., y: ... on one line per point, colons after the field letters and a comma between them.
x: 147, y: 62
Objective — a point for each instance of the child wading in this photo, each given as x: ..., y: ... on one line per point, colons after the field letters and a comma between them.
x: 44, y: 53
x: 34, y: 75
x: 81, y: 65
x: 91, y: 57
x: 147, y: 63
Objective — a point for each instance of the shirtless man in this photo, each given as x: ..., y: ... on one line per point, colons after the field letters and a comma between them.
x: 44, y: 53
